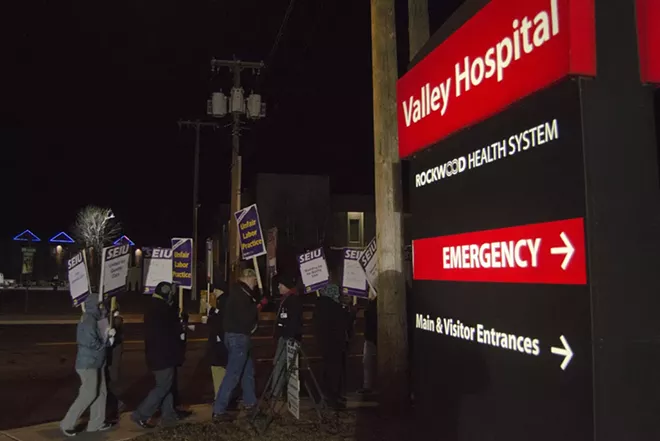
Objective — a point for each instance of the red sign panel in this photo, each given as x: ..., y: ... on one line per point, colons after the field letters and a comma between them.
x: 508, y: 50
x: 547, y: 253
x: 648, y: 35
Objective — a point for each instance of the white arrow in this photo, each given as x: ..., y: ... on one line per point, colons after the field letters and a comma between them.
x: 567, y: 250
x: 565, y: 352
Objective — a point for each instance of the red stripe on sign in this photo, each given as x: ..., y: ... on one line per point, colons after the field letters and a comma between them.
x: 546, y: 253
x: 507, y: 51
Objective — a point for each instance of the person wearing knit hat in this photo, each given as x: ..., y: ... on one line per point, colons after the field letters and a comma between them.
x: 164, y: 352
x: 288, y: 325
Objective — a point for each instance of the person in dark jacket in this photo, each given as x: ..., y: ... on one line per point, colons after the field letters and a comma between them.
x: 164, y: 352
x: 92, y: 338
x: 241, y: 318
x: 331, y: 328
x: 288, y: 325
x: 216, y: 350
x: 369, y: 351
x: 115, y: 352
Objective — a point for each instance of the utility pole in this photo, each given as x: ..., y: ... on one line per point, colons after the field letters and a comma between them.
x: 418, y: 25
x: 197, y: 125
x: 392, y: 326
x: 236, y: 67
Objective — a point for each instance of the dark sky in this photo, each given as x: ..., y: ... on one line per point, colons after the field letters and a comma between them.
x: 91, y: 94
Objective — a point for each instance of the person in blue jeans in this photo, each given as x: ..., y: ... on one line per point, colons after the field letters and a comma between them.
x: 241, y: 318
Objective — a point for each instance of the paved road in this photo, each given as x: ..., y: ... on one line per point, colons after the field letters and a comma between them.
x: 38, y: 381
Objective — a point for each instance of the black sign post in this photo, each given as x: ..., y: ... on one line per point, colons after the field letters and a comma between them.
x: 536, y: 250
x: 521, y: 167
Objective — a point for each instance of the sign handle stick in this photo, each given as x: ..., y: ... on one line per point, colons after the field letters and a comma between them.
x: 180, y: 300
x: 102, y: 275
x: 256, y: 269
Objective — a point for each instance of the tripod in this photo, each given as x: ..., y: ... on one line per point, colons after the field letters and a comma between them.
x: 297, y: 362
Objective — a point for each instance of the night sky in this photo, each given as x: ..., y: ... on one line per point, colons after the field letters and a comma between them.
x: 91, y: 94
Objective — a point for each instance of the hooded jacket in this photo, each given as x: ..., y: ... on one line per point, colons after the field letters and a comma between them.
x: 91, y: 344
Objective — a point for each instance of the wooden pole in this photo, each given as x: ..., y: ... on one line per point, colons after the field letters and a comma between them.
x: 418, y: 25
x: 255, y: 262
x: 392, y: 327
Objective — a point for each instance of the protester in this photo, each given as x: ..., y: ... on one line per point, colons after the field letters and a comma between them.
x: 331, y: 328
x: 115, y: 352
x: 240, y: 321
x: 164, y: 352
x: 93, y: 336
x: 289, y: 324
x: 369, y: 351
x: 184, y: 321
x: 216, y: 350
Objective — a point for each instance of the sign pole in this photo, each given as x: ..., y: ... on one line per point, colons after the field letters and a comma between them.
x: 180, y: 300
x: 102, y: 275
x: 256, y: 269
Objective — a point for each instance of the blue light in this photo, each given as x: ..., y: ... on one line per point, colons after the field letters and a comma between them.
x: 27, y: 236
x: 61, y: 237
x: 124, y: 239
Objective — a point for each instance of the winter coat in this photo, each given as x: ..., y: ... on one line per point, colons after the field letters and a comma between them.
x: 371, y: 322
x: 91, y: 344
x: 331, y: 323
x: 216, y: 349
x: 241, y: 314
x: 289, y: 322
x: 162, y: 335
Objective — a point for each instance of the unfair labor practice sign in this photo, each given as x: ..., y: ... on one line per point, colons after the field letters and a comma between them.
x: 249, y: 230
x: 114, y: 269
x: 78, y: 278
x: 182, y: 261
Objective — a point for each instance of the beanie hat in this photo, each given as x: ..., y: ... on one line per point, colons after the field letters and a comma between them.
x: 165, y: 290
x: 286, y: 280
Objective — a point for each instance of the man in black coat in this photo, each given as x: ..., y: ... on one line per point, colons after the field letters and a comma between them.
x: 332, y: 328
x: 216, y: 350
x: 288, y: 325
x: 241, y: 317
x: 164, y: 352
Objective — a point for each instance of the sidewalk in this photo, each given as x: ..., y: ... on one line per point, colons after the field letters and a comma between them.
x: 127, y: 430
x: 72, y: 319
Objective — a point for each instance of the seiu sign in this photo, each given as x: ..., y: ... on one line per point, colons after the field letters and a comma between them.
x: 352, y: 254
x: 315, y: 254
x: 158, y: 253
x: 115, y: 252
x: 75, y: 260
x: 368, y: 253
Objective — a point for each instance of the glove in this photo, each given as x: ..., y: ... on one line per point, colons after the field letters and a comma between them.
x: 111, y: 340
x: 112, y: 332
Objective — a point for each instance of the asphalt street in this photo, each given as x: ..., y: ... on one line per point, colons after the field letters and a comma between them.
x: 38, y: 381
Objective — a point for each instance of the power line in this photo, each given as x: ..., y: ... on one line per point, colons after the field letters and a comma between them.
x: 279, y: 35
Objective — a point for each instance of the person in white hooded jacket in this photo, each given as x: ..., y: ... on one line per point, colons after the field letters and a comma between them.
x: 93, y: 336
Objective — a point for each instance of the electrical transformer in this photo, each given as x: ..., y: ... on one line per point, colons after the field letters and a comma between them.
x: 237, y: 100
x: 254, y: 106
x: 218, y: 104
